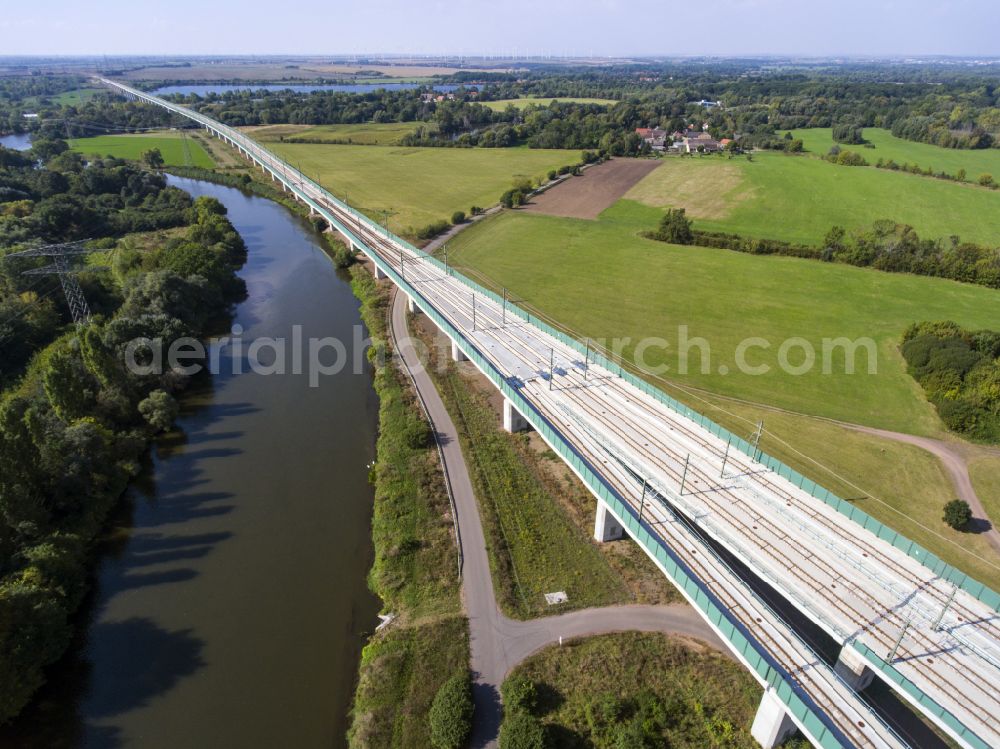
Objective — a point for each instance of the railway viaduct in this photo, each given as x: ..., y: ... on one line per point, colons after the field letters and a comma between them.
x: 734, y: 529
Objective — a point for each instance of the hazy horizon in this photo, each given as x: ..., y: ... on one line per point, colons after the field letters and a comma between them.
x: 560, y: 28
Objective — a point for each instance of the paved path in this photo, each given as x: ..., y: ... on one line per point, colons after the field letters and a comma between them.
x: 498, y: 643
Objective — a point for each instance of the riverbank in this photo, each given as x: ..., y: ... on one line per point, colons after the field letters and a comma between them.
x: 414, y: 573
x: 60, y: 482
x: 231, y: 604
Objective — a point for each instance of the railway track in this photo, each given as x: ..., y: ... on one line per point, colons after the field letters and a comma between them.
x: 853, y: 585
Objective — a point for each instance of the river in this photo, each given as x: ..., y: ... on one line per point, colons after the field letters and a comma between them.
x: 231, y: 607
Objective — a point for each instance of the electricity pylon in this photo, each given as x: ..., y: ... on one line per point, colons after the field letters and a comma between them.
x: 60, y: 254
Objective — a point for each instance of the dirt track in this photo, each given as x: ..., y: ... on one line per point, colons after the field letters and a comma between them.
x: 594, y: 190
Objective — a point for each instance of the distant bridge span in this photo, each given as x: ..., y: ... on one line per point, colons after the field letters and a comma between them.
x: 693, y: 496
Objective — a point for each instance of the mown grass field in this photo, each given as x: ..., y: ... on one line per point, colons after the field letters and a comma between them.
x: 602, y: 280
x: 366, y: 133
x: 588, y: 688
x: 584, y: 274
x: 177, y: 150
x: 79, y: 96
x: 419, y: 185
x: 501, y: 104
x: 798, y: 198
x: 888, y: 146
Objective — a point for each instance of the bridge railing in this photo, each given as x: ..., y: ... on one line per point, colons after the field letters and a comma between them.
x: 799, y: 705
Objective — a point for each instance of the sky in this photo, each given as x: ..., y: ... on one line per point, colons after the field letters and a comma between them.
x: 614, y: 28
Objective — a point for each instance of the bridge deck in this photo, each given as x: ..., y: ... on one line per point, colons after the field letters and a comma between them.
x: 852, y: 584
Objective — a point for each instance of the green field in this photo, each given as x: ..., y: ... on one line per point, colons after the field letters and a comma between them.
x: 798, y: 198
x: 365, y: 133
x: 78, y: 96
x: 419, y: 185
x: 985, y: 474
x: 501, y: 104
x: 888, y: 146
x: 177, y: 150
x: 602, y: 280
x: 584, y: 274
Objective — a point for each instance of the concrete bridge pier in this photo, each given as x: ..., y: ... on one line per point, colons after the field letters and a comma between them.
x: 457, y: 354
x: 411, y: 306
x: 513, y: 421
x: 853, y: 669
x: 606, y: 526
x: 379, y: 274
x: 772, y: 725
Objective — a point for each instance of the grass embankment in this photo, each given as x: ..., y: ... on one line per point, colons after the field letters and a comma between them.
x: 415, y: 572
x: 985, y: 474
x: 635, y: 689
x: 798, y: 198
x: 177, y: 148
x: 501, y: 104
x: 887, y: 146
x: 537, y: 516
x: 418, y: 186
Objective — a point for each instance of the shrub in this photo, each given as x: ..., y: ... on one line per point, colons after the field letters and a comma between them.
x: 417, y: 433
x: 512, y: 199
x: 451, y: 713
x: 432, y: 230
x: 957, y: 514
x: 159, y: 410
x: 553, y: 174
x: 342, y: 255
x: 848, y: 133
x: 675, y: 227
x: 522, y: 731
x: 519, y: 693
x: 475, y: 210
x: 458, y: 217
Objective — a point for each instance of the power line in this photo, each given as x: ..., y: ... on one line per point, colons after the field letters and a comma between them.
x: 60, y: 254
x: 694, y: 393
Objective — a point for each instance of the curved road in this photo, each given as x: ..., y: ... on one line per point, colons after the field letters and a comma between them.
x: 956, y: 466
x: 498, y: 643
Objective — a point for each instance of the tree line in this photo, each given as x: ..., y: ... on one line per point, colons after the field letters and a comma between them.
x: 885, y: 245
x: 74, y: 420
x: 959, y: 371
x: 948, y: 106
